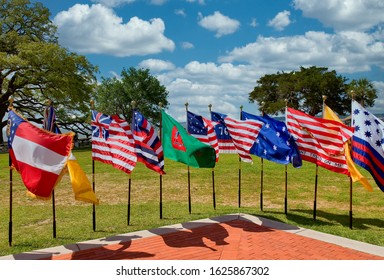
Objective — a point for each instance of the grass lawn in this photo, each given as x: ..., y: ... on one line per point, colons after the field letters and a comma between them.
x: 32, y: 219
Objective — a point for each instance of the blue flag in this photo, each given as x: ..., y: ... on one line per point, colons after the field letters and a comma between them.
x: 274, y: 142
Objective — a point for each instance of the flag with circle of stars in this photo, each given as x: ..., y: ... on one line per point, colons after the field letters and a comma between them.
x: 368, y: 142
x: 274, y: 142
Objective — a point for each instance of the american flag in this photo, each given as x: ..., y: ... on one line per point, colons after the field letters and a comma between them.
x: 203, y: 129
x: 226, y: 145
x: 368, y: 142
x: 320, y: 141
x: 243, y: 134
x: 147, y: 144
x: 112, y: 142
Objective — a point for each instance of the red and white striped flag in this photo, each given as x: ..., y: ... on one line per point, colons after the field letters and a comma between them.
x: 112, y: 142
x: 243, y: 134
x: 38, y: 155
x: 320, y: 141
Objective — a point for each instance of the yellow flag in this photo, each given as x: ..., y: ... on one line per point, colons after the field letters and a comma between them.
x: 80, y: 183
x: 355, y: 173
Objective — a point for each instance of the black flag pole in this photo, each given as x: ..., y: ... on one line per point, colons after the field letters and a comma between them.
x: 161, y: 176
x: 129, y: 201
x: 10, y: 226
x: 286, y: 191
x: 93, y: 182
x: 239, y: 191
x: 213, y: 174
x: 53, y: 190
x: 317, y: 173
x: 189, y: 177
x: 262, y: 169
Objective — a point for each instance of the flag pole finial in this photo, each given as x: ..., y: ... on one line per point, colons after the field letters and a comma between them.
x: 133, y: 104
x: 210, y: 107
x: 160, y: 105
x: 186, y: 106
x: 324, y: 98
x: 10, y: 100
x: 92, y: 104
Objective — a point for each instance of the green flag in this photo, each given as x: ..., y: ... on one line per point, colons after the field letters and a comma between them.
x: 178, y: 145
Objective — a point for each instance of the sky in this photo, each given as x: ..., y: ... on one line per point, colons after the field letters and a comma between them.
x: 214, y: 51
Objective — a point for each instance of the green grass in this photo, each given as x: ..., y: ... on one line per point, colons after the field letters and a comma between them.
x: 32, y: 219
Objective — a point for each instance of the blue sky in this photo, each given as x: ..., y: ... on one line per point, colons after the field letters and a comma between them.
x: 214, y: 51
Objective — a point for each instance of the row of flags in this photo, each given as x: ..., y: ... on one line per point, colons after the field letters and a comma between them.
x: 42, y: 156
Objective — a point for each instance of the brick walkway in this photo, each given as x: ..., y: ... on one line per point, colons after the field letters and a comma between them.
x: 231, y: 237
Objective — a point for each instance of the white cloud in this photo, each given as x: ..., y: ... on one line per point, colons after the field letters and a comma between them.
x: 253, y: 22
x: 158, y: 2
x: 156, y: 65
x: 201, y: 2
x: 219, y: 23
x: 113, y: 3
x: 345, y: 52
x: 180, y: 12
x: 225, y: 86
x: 97, y: 29
x: 280, y: 21
x: 187, y: 45
x: 356, y: 15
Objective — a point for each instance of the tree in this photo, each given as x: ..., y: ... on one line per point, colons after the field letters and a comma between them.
x: 35, y: 68
x: 362, y: 91
x: 304, y: 90
x: 115, y: 96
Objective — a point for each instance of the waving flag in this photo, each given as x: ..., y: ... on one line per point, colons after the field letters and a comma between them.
x: 112, y: 142
x: 80, y: 184
x: 180, y: 146
x: 39, y: 156
x: 368, y: 142
x: 355, y: 173
x: 204, y: 130
x: 147, y: 144
x: 274, y: 142
x: 226, y: 145
x: 243, y: 134
x: 320, y: 141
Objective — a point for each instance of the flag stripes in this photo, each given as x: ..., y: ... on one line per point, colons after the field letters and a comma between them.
x: 112, y: 142
x: 368, y: 142
x: 147, y: 144
x: 320, y: 141
x: 243, y: 134
x: 226, y: 145
x: 204, y: 130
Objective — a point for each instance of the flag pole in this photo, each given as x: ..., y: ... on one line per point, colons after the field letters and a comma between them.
x: 10, y: 188
x: 53, y: 198
x: 286, y: 180
x: 239, y: 192
x: 317, y: 172
x: 129, y: 200
x: 350, y: 178
x: 133, y: 105
x: 213, y: 174
x: 93, y: 182
x: 262, y: 169
x: 189, y: 177
x: 161, y: 176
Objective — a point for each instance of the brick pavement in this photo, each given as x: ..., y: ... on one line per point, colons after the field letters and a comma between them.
x: 232, y: 237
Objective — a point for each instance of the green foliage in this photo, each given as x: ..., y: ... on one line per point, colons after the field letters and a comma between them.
x: 35, y: 68
x: 304, y: 90
x: 32, y: 219
x: 115, y: 96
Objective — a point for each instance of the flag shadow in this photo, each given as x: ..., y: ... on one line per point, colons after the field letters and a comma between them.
x: 192, y: 234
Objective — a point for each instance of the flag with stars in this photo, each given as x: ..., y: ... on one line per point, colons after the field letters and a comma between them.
x: 112, y: 142
x: 226, y: 145
x: 274, y: 142
x: 38, y: 155
x: 368, y: 142
x: 147, y: 143
x: 203, y: 129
